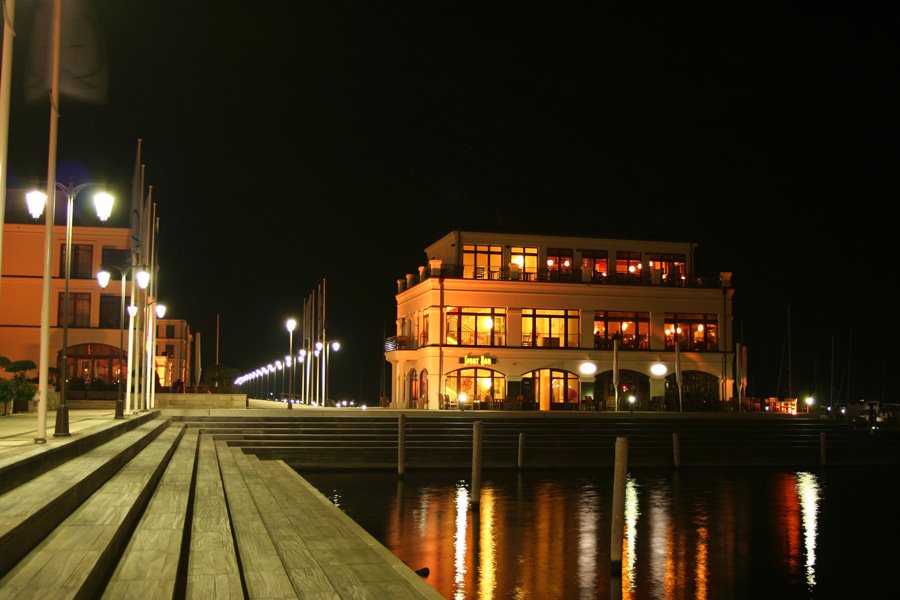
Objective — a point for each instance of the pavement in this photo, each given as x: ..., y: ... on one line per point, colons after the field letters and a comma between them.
x: 18, y: 431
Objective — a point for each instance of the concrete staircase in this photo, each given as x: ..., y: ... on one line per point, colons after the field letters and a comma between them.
x: 434, y: 440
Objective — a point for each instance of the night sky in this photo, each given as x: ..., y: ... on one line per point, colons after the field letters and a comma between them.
x: 287, y: 142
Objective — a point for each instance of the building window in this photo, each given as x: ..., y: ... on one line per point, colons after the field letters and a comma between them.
x: 560, y: 264
x: 693, y: 332
x: 423, y: 329
x: 475, y: 387
x: 482, y: 261
x: 632, y: 329
x: 527, y: 261
x: 170, y: 331
x: 467, y: 326
x: 79, y: 309
x: 667, y: 269
x: 170, y: 350
x: 110, y: 311
x: 116, y: 257
x: 628, y: 266
x: 82, y: 261
x: 552, y: 389
x: 595, y: 262
x: 550, y: 328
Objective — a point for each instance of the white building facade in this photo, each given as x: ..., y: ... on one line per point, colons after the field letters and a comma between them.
x: 498, y: 321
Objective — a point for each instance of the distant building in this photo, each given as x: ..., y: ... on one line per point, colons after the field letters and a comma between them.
x: 94, y: 315
x: 503, y: 321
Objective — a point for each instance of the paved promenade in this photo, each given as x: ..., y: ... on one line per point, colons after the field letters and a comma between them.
x: 255, y: 528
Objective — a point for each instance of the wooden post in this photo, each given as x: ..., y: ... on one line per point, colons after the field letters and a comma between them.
x: 618, y: 506
x: 401, y: 445
x: 475, y: 496
x: 822, y: 457
x: 676, y: 450
x: 521, y: 460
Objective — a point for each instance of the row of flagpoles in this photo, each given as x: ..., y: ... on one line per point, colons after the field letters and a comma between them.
x: 140, y: 388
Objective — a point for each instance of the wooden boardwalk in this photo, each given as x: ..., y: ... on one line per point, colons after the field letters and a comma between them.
x: 150, y: 508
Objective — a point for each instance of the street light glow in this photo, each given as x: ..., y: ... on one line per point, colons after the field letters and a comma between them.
x: 103, y: 201
x: 36, y: 201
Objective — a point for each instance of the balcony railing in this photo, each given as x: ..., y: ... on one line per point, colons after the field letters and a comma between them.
x: 450, y: 271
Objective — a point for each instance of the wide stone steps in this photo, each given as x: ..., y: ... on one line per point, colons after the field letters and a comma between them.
x: 551, y: 441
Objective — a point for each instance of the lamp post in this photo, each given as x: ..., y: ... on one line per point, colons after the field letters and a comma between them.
x: 304, y: 375
x: 37, y: 200
x: 280, y: 367
x: 291, y: 324
x: 326, y: 368
x: 143, y: 278
x: 150, y: 367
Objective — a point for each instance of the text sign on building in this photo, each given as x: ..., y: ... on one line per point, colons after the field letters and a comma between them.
x: 478, y: 360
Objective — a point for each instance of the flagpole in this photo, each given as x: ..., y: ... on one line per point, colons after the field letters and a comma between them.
x: 616, y: 370
x: 678, y: 372
x: 9, y: 21
x: 49, y: 217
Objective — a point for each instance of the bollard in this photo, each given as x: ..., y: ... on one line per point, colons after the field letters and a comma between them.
x: 475, y: 496
x: 676, y: 450
x: 617, y: 528
x: 401, y: 445
x: 521, y: 460
x: 822, y: 460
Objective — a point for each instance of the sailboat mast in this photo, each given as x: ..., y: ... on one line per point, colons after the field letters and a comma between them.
x: 790, y: 390
x: 849, y: 354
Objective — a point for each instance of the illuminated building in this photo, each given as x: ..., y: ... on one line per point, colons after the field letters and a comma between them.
x: 504, y: 321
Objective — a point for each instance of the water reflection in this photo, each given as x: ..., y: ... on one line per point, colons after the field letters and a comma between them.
x: 704, y: 534
x: 808, y: 491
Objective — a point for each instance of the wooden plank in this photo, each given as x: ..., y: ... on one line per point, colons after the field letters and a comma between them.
x: 213, y: 571
x: 149, y: 566
x: 325, y: 552
x: 263, y: 573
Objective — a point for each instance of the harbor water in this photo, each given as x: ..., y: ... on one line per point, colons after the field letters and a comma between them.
x: 700, y: 533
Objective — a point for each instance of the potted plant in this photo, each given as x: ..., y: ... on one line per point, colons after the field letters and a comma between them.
x: 7, y: 394
x: 18, y: 390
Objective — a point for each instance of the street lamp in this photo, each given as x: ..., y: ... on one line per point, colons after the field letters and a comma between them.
x: 291, y: 324
x: 143, y: 278
x: 37, y: 201
x: 631, y: 400
x: 809, y: 403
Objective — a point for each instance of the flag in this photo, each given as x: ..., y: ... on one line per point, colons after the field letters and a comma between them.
x: 83, y: 62
x: 137, y: 208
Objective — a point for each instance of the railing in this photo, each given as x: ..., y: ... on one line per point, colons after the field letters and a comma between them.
x: 544, y: 275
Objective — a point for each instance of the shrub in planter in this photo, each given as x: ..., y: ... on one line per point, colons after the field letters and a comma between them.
x: 15, y: 389
x: 7, y: 394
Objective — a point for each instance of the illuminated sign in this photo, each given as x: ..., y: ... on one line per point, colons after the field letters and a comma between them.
x: 478, y: 360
